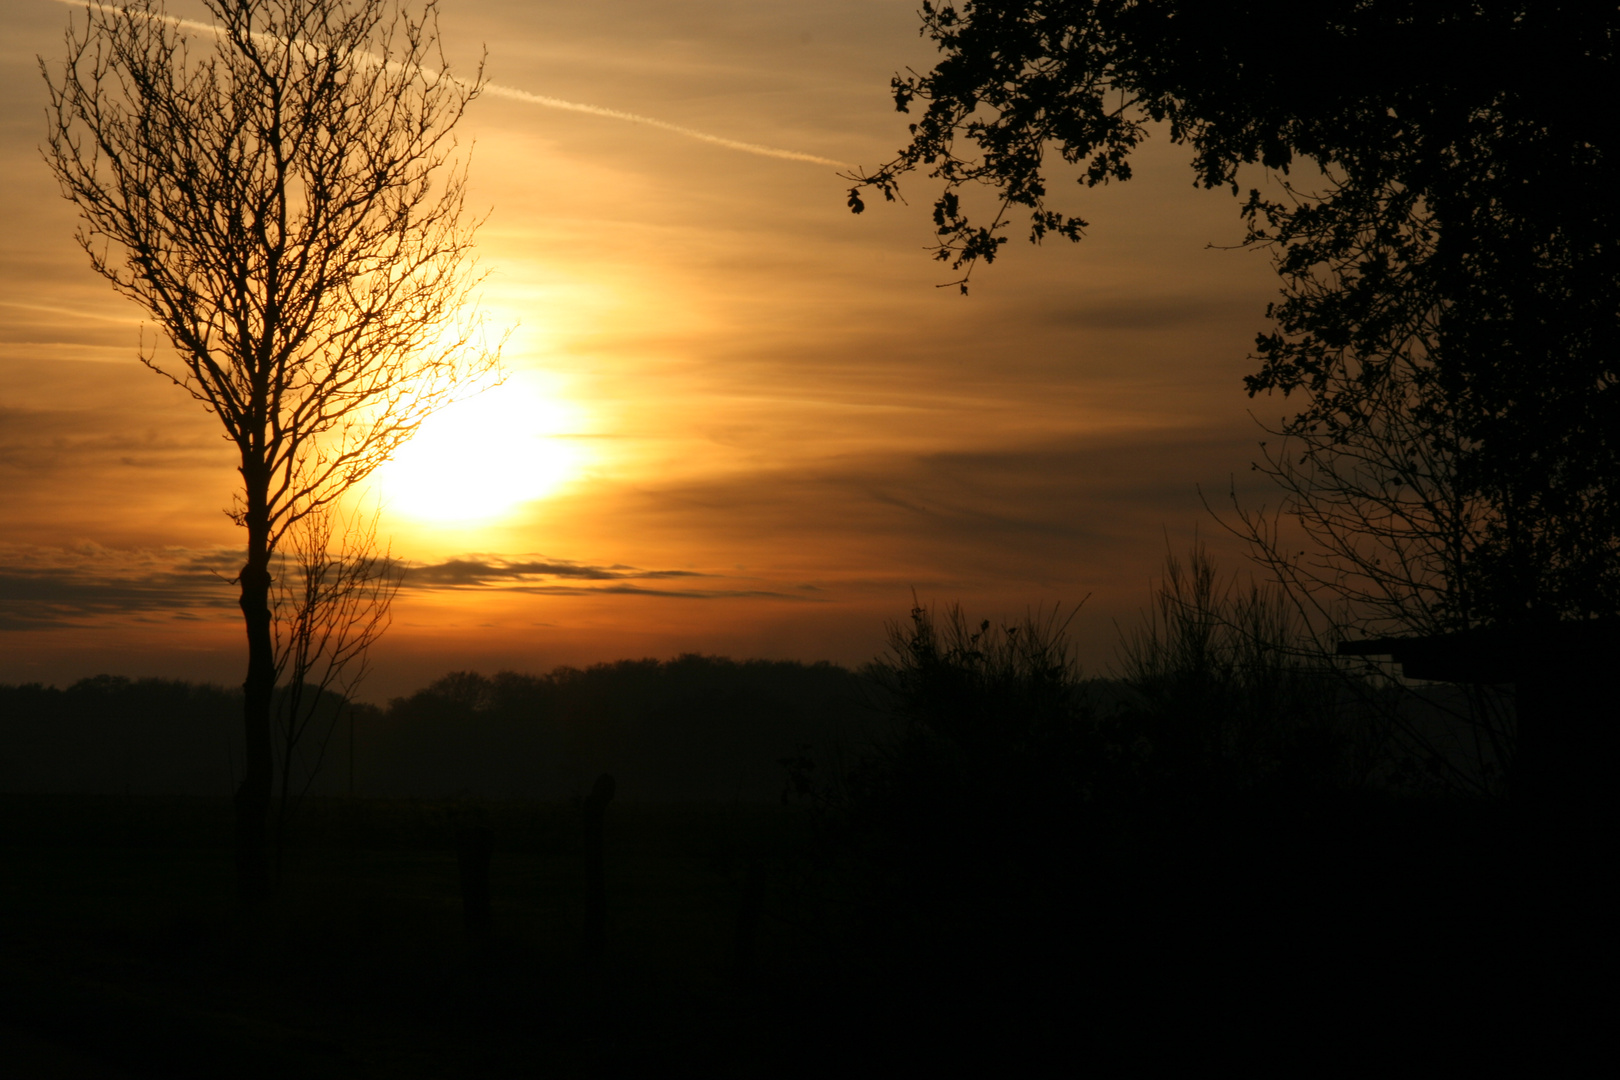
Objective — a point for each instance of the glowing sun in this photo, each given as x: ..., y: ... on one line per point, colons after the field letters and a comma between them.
x: 478, y: 459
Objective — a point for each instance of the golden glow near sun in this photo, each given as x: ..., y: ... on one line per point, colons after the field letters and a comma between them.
x: 481, y: 458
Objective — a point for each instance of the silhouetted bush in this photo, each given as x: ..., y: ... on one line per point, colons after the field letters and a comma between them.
x: 991, y: 744
x: 943, y: 867
x: 1230, y: 692
x: 1193, y: 856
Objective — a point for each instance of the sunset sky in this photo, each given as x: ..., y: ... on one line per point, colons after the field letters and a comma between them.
x: 738, y: 420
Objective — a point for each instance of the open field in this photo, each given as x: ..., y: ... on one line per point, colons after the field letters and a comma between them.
x: 124, y: 945
x: 740, y: 942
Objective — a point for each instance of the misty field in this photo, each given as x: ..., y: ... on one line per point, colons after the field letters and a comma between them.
x: 739, y: 944
x: 964, y: 859
x: 122, y: 940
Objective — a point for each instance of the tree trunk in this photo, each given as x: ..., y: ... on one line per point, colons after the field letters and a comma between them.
x: 253, y: 796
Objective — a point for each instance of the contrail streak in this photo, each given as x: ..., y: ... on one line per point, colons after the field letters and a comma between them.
x: 513, y: 93
x: 68, y: 311
x: 172, y: 20
x: 691, y: 133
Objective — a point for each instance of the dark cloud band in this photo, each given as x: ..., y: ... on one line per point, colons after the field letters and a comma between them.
x: 42, y: 589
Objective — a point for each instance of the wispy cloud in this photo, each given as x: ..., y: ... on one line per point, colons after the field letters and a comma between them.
x: 1134, y: 313
x: 35, y: 440
x: 546, y: 101
x: 53, y: 588
x: 476, y: 571
x: 532, y: 574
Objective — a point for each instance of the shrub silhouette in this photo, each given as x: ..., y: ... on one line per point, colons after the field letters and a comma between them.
x: 987, y: 724
x: 1158, y: 851
x: 1229, y: 692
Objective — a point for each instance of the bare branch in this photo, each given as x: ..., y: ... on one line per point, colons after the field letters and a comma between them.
x: 280, y: 191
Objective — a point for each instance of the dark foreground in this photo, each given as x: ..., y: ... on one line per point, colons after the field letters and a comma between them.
x: 1266, y: 935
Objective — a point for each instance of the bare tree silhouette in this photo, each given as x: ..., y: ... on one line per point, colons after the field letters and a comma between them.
x: 284, y: 202
x: 331, y: 600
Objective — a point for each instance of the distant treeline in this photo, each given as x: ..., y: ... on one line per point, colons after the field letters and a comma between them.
x: 108, y: 735
x: 695, y: 728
